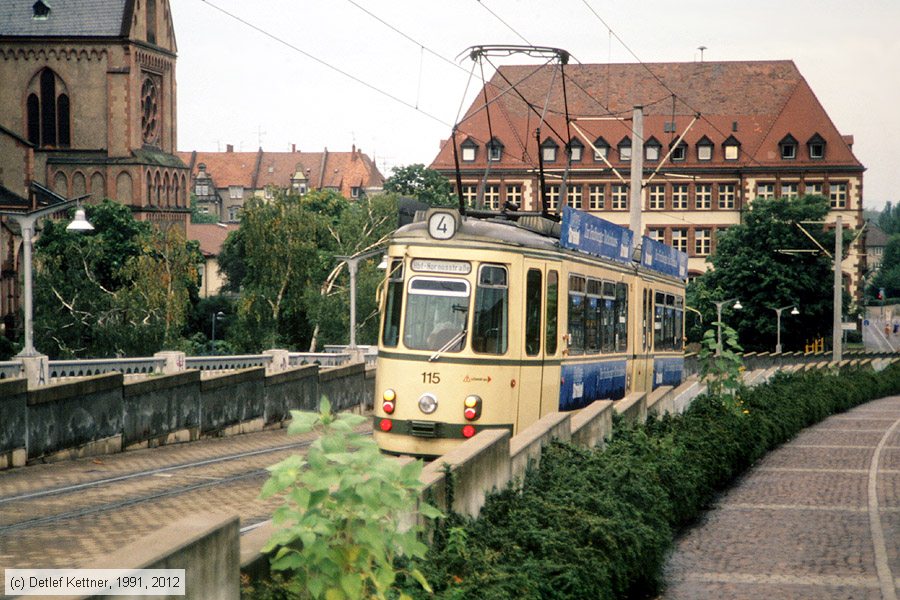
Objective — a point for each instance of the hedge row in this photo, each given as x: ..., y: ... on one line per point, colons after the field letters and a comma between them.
x: 592, y: 523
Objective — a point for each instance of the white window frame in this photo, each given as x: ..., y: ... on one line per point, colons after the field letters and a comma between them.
x: 619, y: 196
x: 657, y: 197
x: 597, y: 196
x: 680, y: 195
x: 703, y: 196
x: 727, y: 196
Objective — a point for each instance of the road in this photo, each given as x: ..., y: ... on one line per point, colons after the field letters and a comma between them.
x: 69, y: 514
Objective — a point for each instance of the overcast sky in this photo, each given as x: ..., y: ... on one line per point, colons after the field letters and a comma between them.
x: 237, y: 85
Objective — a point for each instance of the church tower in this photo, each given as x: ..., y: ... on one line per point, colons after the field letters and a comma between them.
x: 87, y: 105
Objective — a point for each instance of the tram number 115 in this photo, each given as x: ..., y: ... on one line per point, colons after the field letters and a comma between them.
x: 431, y: 377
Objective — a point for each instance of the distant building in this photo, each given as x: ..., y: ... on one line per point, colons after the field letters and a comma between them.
x: 210, y: 237
x: 87, y: 108
x: 876, y: 241
x: 223, y: 181
x: 761, y: 133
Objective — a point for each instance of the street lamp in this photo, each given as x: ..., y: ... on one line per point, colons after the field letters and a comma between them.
x: 27, y: 222
x: 719, y: 304
x: 217, y: 316
x: 778, y: 316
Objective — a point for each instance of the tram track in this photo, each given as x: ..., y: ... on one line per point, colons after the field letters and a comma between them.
x: 27, y: 502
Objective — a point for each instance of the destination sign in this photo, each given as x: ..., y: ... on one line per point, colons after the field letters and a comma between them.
x: 664, y: 259
x: 427, y: 265
x: 593, y: 235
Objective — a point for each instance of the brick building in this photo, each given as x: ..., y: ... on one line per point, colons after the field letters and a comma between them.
x: 87, y: 107
x: 761, y: 132
x: 223, y: 181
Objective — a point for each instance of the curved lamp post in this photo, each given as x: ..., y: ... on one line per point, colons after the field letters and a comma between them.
x: 719, y: 304
x: 778, y: 317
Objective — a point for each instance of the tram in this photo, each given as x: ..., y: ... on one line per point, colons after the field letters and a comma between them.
x: 495, y: 322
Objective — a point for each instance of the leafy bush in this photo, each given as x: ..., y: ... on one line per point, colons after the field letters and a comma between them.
x: 597, y: 523
x: 341, y: 525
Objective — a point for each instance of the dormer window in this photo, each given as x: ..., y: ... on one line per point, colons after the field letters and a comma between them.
x: 469, y: 150
x: 731, y: 148
x: 602, y: 149
x: 816, y: 147
x: 625, y: 149
x: 40, y: 11
x: 652, y: 149
x: 788, y: 147
x: 548, y: 150
x: 704, y: 148
x: 679, y: 152
x: 495, y: 150
x: 576, y: 150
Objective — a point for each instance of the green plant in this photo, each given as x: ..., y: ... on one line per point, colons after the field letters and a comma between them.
x: 721, y: 369
x: 345, y: 504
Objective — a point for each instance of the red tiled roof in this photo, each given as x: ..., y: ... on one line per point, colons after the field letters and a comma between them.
x: 210, y: 235
x: 257, y: 170
x: 758, y: 102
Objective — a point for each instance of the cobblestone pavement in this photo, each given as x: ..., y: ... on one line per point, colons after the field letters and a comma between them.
x: 817, y: 519
x: 103, y: 503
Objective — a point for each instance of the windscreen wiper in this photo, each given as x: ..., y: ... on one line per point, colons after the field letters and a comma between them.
x: 453, y: 341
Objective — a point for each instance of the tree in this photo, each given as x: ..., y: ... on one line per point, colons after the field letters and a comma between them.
x: 122, y: 289
x: 200, y: 217
x: 889, y: 219
x: 282, y: 261
x: 423, y: 184
x: 749, y: 264
x: 888, y: 275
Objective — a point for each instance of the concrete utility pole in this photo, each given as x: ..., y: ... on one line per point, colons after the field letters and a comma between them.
x: 837, y: 331
x: 637, y: 172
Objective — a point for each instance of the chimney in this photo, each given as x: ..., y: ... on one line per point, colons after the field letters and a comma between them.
x: 229, y: 148
x: 353, y: 152
x: 293, y: 147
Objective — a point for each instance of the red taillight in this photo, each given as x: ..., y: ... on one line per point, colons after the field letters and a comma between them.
x: 388, y: 407
x: 470, y: 413
x: 468, y: 431
x: 386, y: 424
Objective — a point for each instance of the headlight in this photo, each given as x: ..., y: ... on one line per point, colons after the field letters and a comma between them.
x: 428, y: 403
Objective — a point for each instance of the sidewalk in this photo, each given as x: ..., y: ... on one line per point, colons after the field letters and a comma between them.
x: 817, y: 519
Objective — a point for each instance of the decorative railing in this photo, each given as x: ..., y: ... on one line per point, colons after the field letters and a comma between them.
x: 227, y: 363
x: 323, y: 359
x: 99, y: 366
x: 10, y: 369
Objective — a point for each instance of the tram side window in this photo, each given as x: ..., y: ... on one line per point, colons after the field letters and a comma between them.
x: 592, y: 317
x: 659, y: 311
x: 533, y: 290
x: 491, y: 319
x: 668, y: 322
x: 390, y: 335
x: 621, y: 317
x: 552, y: 311
x: 576, y: 314
x: 679, y: 323
x: 608, y: 318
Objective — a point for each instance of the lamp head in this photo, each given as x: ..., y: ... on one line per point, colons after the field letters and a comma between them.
x: 737, y: 305
x: 80, y: 222
x: 795, y: 311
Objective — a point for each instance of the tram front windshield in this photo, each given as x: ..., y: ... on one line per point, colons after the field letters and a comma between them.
x: 436, y: 314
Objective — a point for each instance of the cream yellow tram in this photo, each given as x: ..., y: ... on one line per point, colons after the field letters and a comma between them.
x: 492, y: 323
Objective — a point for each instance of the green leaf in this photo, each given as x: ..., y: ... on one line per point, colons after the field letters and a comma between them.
x: 417, y: 575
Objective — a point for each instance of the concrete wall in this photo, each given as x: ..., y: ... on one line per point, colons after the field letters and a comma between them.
x: 294, y: 389
x: 102, y: 414
x: 73, y: 415
x: 13, y: 408
x: 158, y: 407
x: 345, y: 387
x: 207, y: 547
x: 231, y: 399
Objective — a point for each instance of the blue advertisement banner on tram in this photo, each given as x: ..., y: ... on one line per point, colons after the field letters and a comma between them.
x: 593, y: 235
x: 668, y: 371
x: 664, y: 259
x: 582, y: 383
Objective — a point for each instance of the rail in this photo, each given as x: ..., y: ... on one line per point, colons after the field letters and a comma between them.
x: 99, y: 366
x: 227, y: 363
x: 10, y: 369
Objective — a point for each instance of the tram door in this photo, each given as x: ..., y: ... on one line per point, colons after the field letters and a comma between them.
x: 643, y: 364
x: 531, y: 371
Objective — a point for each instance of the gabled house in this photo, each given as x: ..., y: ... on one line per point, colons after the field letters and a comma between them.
x: 761, y: 132
x: 223, y: 181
